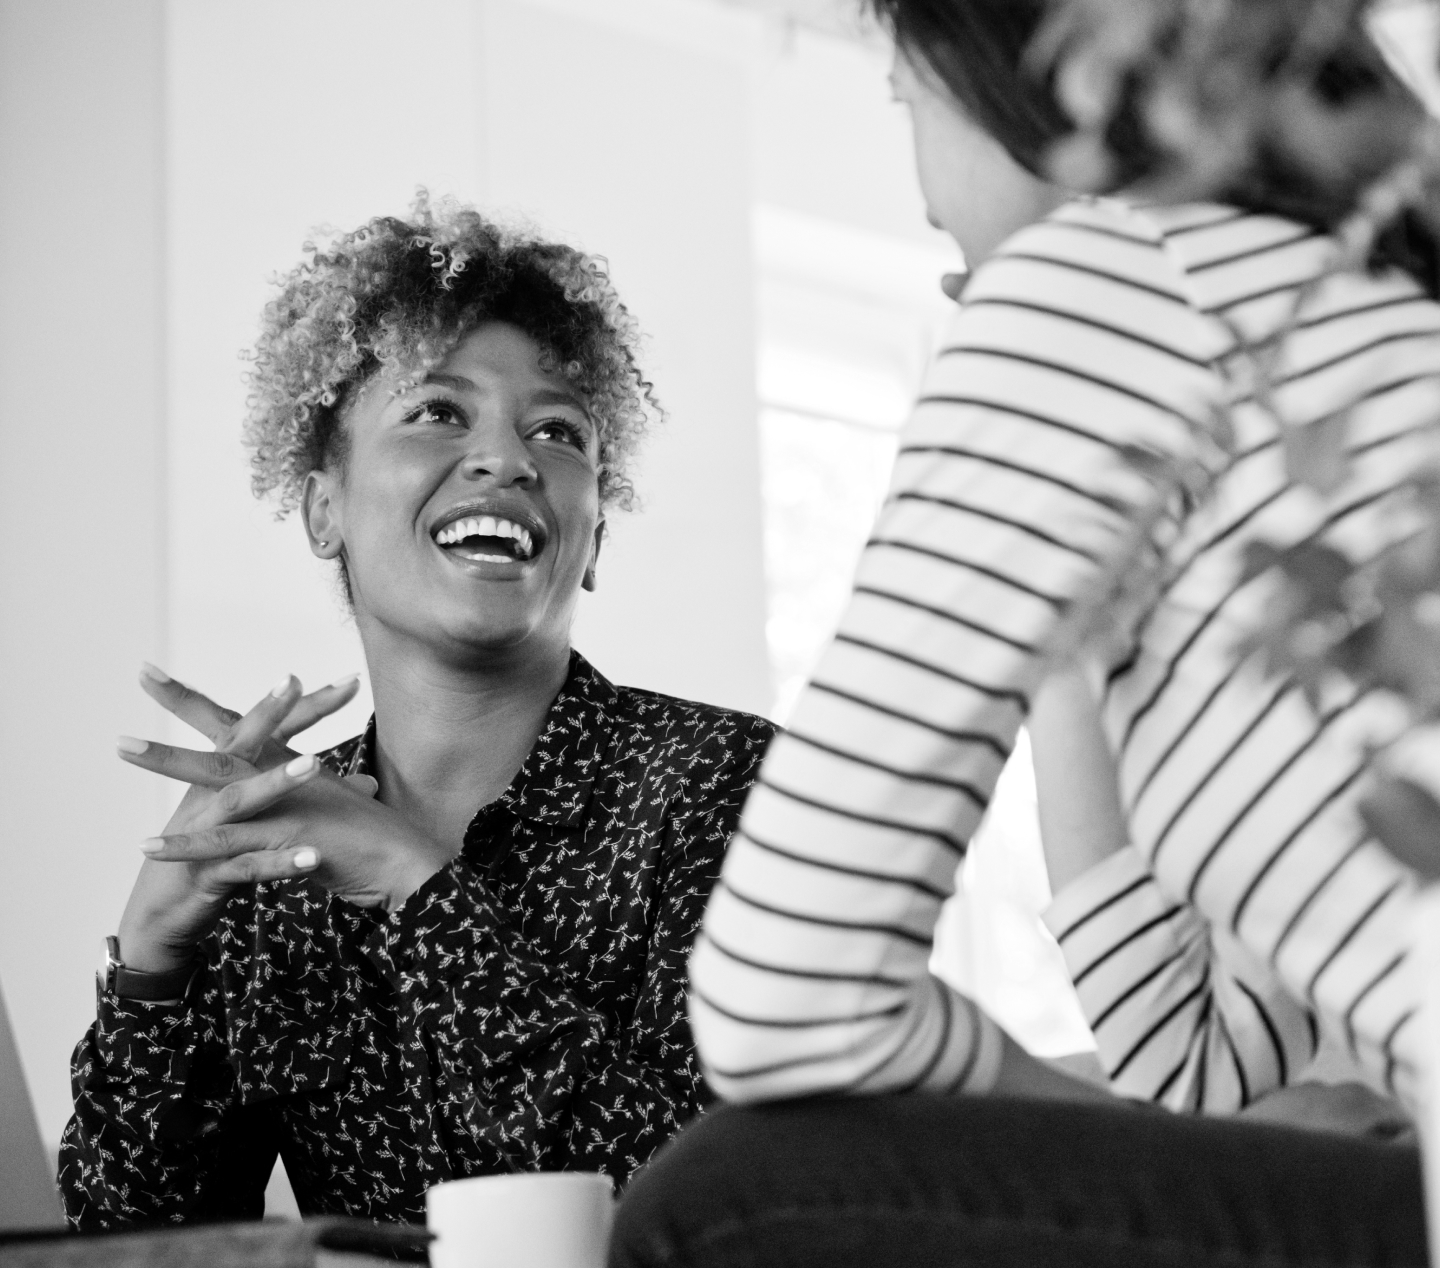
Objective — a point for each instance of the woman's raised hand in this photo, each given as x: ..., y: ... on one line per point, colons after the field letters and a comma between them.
x: 265, y: 825
x: 171, y: 908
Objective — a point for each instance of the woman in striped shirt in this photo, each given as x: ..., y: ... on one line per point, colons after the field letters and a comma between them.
x: 1090, y: 328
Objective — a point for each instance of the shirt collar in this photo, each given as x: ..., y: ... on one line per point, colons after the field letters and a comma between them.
x: 556, y: 780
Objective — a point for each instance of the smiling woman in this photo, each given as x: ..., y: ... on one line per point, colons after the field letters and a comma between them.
x: 455, y: 944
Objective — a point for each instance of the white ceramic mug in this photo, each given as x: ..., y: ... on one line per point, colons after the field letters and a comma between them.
x: 548, y: 1219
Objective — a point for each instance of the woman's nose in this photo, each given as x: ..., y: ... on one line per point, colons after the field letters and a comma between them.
x: 499, y: 454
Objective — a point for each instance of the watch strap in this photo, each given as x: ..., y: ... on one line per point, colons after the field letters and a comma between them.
x: 128, y: 983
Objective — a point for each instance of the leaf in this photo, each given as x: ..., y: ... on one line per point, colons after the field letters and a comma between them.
x: 1355, y: 653
x: 1154, y: 464
x: 1405, y: 819
x: 1321, y: 574
x: 1406, y: 657
x: 1219, y: 425
x: 1309, y: 622
x: 1315, y: 452
x: 1259, y: 557
x: 1321, y: 571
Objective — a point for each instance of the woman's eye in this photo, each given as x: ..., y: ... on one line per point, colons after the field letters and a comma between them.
x: 435, y: 412
x: 559, y: 429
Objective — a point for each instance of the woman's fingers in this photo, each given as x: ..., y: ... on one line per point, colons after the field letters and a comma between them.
x: 246, y: 798
x: 250, y: 736
x: 308, y: 710
x: 221, y: 829
x: 245, y: 736
x: 259, y: 865
x: 211, y: 770
x: 222, y: 841
x: 187, y: 704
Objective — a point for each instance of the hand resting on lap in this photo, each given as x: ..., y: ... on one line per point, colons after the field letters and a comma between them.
x: 1351, y: 1109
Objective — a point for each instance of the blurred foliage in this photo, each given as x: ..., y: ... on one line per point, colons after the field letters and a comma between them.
x: 1227, y: 97
x: 1273, y: 103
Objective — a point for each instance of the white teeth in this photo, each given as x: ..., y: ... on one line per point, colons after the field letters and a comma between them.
x: 486, y: 526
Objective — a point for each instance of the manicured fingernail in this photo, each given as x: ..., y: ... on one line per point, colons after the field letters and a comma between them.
x: 347, y: 681
x: 281, y: 687
x: 153, y: 672
x: 129, y: 744
x: 306, y: 859
x: 302, y: 765
x: 152, y: 845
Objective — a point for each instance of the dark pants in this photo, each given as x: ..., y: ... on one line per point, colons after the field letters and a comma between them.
x: 918, y: 1181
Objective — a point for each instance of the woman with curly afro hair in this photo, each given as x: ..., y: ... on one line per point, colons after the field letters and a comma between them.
x: 455, y: 944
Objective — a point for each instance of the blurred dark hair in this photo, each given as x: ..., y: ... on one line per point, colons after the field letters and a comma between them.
x: 978, y: 49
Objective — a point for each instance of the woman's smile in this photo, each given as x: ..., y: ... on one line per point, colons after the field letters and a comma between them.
x: 491, y: 532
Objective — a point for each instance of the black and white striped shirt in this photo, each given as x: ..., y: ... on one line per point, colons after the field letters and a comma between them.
x: 1096, y: 329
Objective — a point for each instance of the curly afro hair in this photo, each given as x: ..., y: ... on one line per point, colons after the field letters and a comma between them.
x: 394, y: 297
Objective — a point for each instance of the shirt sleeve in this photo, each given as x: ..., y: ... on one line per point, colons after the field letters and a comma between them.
x: 1147, y: 969
x: 1013, y: 498
x: 157, y: 1135
x: 550, y: 1083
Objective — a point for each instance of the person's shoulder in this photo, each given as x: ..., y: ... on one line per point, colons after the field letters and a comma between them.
x: 1106, y: 219
x: 1082, y: 240
x: 698, y: 759
x: 1206, y: 256
x: 1097, y: 279
x: 1253, y: 266
x: 673, y: 716
x: 667, y: 738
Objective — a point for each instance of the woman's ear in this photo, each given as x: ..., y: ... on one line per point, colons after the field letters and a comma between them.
x: 319, y: 512
x: 588, y: 581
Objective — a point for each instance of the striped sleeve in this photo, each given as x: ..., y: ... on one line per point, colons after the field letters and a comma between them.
x: 811, y: 971
x: 1183, y: 1013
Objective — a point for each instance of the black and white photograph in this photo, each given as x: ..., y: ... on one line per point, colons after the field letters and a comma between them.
x: 720, y: 633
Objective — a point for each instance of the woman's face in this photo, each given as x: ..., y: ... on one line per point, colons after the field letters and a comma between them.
x: 973, y: 189
x: 467, y: 506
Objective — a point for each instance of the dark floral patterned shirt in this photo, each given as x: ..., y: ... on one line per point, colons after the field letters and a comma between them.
x: 523, y: 1010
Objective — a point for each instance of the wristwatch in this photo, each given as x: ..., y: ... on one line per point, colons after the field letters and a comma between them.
x: 133, y: 984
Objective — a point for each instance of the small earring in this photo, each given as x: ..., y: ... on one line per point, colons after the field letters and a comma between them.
x: 323, y: 545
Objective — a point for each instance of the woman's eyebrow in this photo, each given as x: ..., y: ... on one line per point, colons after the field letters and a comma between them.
x: 558, y: 396
x: 456, y: 381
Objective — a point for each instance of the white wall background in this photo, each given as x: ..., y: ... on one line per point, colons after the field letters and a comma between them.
x: 159, y: 159
x: 83, y: 511
x: 645, y: 158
